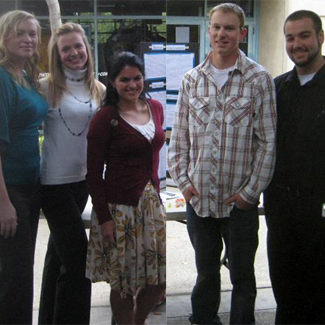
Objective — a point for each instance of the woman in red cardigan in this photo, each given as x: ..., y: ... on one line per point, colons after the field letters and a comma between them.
x: 127, y: 245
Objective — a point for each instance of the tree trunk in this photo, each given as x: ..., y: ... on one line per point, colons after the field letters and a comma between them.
x: 55, y: 14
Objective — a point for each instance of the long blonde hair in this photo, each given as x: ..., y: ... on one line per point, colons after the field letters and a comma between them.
x: 9, y: 23
x: 57, y: 80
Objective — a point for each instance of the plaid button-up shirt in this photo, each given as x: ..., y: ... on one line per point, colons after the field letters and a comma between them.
x: 223, y: 140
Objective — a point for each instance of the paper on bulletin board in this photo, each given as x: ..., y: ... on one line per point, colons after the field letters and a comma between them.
x: 155, y: 64
x: 161, y: 97
x: 162, y: 162
x: 170, y: 113
x: 177, y: 65
x: 182, y: 34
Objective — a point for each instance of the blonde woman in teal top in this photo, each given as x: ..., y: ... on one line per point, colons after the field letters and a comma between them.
x: 22, y: 110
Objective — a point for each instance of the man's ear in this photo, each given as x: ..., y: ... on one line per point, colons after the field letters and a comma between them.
x: 243, y: 33
x: 321, y: 37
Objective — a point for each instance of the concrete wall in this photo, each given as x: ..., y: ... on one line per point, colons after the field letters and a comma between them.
x: 315, y: 5
x: 271, y: 43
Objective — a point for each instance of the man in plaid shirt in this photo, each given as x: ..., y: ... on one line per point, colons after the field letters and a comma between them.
x: 221, y: 155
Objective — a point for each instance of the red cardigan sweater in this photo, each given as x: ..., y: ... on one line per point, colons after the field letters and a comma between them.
x: 130, y: 160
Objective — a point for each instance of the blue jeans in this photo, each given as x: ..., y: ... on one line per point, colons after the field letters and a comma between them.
x: 17, y: 257
x: 66, y: 292
x: 240, y: 234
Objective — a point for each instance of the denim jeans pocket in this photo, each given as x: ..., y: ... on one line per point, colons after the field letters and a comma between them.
x: 237, y: 211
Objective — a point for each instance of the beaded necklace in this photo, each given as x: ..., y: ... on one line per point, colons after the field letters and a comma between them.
x: 88, y: 119
x: 72, y: 79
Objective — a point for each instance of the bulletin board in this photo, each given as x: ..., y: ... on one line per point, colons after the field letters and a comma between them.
x: 165, y: 66
x: 154, y: 59
x: 180, y: 58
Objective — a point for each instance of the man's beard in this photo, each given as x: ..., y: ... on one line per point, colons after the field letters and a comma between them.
x: 309, y: 60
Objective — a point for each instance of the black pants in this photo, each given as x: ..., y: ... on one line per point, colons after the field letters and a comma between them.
x: 296, y: 252
x: 17, y: 257
x: 66, y: 292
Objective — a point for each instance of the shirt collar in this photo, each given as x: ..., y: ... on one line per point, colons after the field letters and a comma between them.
x: 240, y: 64
x: 74, y: 76
x: 319, y: 77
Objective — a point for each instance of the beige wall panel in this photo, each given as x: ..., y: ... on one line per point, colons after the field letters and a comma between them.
x: 315, y: 5
x: 271, y: 45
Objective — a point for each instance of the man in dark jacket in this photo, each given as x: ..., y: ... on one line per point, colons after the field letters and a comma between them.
x: 295, y: 200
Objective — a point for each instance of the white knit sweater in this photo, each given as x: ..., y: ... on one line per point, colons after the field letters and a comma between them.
x: 63, y: 154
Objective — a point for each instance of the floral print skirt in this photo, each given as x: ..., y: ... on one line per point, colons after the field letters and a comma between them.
x: 138, y: 258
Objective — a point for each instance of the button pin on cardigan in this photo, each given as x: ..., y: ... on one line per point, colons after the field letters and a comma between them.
x: 114, y: 122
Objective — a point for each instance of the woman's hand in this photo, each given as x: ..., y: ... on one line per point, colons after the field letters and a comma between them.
x: 8, y: 214
x: 108, y: 231
x: 8, y: 219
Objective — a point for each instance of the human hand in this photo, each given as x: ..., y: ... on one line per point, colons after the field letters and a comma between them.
x: 240, y: 203
x: 189, y: 192
x: 108, y: 231
x: 8, y: 219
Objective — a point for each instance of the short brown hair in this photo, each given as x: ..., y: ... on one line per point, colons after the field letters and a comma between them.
x: 230, y: 7
x: 301, y: 14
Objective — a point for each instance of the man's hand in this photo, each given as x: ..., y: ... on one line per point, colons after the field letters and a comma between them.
x: 108, y: 231
x: 8, y: 220
x: 189, y: 192
x: 240, y: 203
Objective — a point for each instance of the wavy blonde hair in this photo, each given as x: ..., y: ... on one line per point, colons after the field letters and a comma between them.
x: 57, y: 80
x: 9, y: 23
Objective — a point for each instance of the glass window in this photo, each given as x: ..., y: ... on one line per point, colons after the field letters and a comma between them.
x: 77, y: 8
x: 131, y: 7
x: 193, y: 31
x: 68, y: 7
x: 37, y: 7
x: 6, y: 6
x: 125, y: 35
x: 185, y: 8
